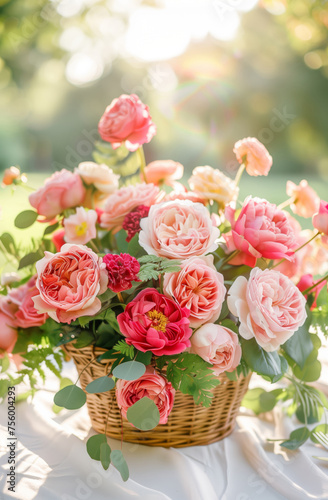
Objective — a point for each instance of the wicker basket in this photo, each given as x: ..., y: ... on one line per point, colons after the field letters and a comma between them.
x: 188, y: 424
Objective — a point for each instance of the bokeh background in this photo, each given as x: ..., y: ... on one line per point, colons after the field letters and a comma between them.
x: 211, y: 71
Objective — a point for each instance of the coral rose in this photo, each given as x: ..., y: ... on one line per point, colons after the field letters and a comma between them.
x: 101, y: 176
x: 153, y: 322
x: 80, y: 227
x: 254, y: 155
x: 269, y: 306
x: 178, y: 229
x: 217, y: 345
x: 163, y: 172
x: 20, y: 302
x: 212, y: 184
x: 320, y: 219
x: 119, y: 204
x: 199, y: 287
x: 261, y: 230
x: 150, y: 385
x: 122, y: 270
x: 127, y: 120
x: 10, y: 175
x: 69, y: 283
x: 306, y: 201
x: 62, y: 190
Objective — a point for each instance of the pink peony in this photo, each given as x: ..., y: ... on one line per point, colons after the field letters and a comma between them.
x: 131, y: 223
x: 178, y: 229
x: 80, y: 227
x: 153, y: 322
x: 320, y: 219
x: 199, y: 287
x: 269, y: 306
x: 69, y: 283
x: 254, y: 155
x: 163, y: 172
x: 261, y: 230
x: 119, y: 204
x: 127, y: 120
x: 150, y: 385
x: 122, y: 270
x: 306, y: 201
x: 217, y: 345
x: 62, y: 190
x: 20, y: 302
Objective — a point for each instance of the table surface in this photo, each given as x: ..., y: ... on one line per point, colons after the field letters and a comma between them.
x: 52, y: 462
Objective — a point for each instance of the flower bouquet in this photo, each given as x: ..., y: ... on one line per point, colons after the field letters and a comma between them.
x: 166, y: 298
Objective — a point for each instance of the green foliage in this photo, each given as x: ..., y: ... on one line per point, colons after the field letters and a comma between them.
x: 105, y: 452
x: 93, y: 445
x: 260, y: 401
x: 130, y: 370
x: 300, y: 345
x: 320, y: 314
x: 120, y: 160
x: 307, y: 401
x: 64, y: 382
x: 70, y: 397
x: 30, y: 259
x: 101, y: 384
x: 296, y: 438
x: 36, y: 359
x: 144, y: 414
x: 124, y: 348
x: 25, y: 219
x: 312, y: 367
x: 152, y: 267
x: 268, y: 364
x: 120, y: 464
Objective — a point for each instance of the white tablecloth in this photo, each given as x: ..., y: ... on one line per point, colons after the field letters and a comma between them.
x: 52, y: 462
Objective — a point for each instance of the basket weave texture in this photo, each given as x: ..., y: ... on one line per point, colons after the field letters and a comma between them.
x: 188, y: 424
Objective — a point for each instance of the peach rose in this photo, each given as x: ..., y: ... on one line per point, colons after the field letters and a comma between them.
x: 10, y: 175
x: 150, y: 385
x: 69, y: 283
x: 127, y: 120
x: 62, y: 190
x: 306, y: 201
x: 198, y: 287
x: 20, y: 305
x: 254, y: 155
x: 163, y: 172
x: 80, y: 227
x: 177, y: 230
x: 212, y: 184
x: 269, y: 306
x: 119, y: 204
x: 320, y: 219
x: 217, y: 345
x: 101, y: 176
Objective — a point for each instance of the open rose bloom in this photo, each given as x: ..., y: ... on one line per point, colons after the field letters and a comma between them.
x: 183, y: 291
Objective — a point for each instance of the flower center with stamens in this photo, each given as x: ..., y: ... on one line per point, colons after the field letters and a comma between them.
x: 159, y: 320
x: 81, y: 229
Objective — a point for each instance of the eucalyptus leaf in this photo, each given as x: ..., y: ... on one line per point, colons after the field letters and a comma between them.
x: 120, y: 464
x: 105, y: 452
x: 93, y: 445
x: 144, y: 414
x: 130, y: 370
x: 101, y: 384
x: 70, y: 397
x: 25, y: 219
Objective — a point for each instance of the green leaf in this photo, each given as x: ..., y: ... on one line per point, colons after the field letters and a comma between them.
x: 309, y: 415
x: 51, y: 229
x: 130, y: 370
x: 84, y: 339
x: 124, y: 348
x: 122, y: 244
x: 319, y: 428
x: 70, y: 397
x: 120, y: 464
x: 4, y: 363
x: 29, y: 259
x: 105, y: 452
x: 64, y: 382
x: 296, y: 438
x: 228, y: 323
x: 144, y: 414
x: 93, y: 445
x: 268, y: 364
x: 310, y: 373
x: 300, y: 346
x: 8, y: 242
x: 101, y: 384
x: 260, y: 401
x: 134, y: 248
x: 144, y: 357
x: 25, y: 219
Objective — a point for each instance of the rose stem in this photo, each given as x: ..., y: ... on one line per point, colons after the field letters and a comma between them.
x: 315, y: 285
x: 297, y: 249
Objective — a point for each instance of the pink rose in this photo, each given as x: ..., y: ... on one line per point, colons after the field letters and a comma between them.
x: 80, y: 227
x: 217, y: 345
x: 58, y: 239
x: 306, y: 282
x: 8, y: 333
x: 261, y: 230
x: 269, y: 306
x: 320, y: 219
x: 69, y: 283
x: 177, y: 230
x: 119, y: 204
x: 153, y: 322
x: 163, y: 172
x: 20, y: 302
x: 199, y: 287
x: 62, y: 190
x: 127, y: 120
x: 254, y: 155
x: 150, y: 385
x: 184, y: 195
x: 306, y: 201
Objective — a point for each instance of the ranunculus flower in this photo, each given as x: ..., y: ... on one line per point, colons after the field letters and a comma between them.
x: 320, y: 219
x: 131, y: 223
x: 69, y: 283
x: 127, y: 120
x: 10, y: 175
x: 163, y: 172
x: 261, y: 230
x: 254, y: 155
x: 178, y: 229
x: 101, y: 176
x: 306, y: 201
x: 306, y: 282
x: 211, y: 184
x: 153, y: 322
x: 62, y: 190
x: 199, y: 287
x: 80, y: 227
x: 269, y: 306
x: 122, y: 270
x: 217, y: 345
x: 119, y: 204
x: 21, y: 305
x: 150, y: 385
x: 58, y: 239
